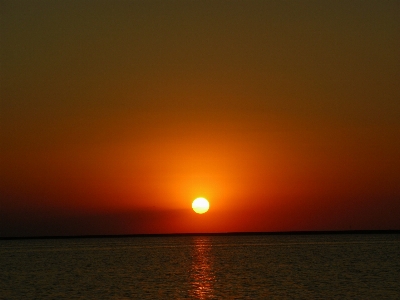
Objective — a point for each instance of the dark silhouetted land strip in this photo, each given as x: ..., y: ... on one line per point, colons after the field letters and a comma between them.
x: 209, y: 234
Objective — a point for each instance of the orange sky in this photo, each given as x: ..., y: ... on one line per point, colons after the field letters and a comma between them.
x: 115, y: 116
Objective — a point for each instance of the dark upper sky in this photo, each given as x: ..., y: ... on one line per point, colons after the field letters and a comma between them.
x: 115, y: 115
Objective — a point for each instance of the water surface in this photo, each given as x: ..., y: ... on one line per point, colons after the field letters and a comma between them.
x: 203, y: 267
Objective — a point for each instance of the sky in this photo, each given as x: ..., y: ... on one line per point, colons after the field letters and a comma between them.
x: 116, y: 115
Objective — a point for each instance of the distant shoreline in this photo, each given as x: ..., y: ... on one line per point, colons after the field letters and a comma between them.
x: 206, y: 234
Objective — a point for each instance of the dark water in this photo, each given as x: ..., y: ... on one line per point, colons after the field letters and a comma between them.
x: 203, y: 267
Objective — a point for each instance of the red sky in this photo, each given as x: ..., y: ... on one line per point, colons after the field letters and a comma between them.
x: 285, y: 115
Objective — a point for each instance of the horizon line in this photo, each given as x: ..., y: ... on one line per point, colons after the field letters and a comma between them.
x: 233, y: 233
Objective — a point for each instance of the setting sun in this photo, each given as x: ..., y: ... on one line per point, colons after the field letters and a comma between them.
x: 200, y: 205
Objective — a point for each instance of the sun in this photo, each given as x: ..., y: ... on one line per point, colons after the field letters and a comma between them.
x: 200, y: 205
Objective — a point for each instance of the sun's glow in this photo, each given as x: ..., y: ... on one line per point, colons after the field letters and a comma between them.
x: 200, y: 205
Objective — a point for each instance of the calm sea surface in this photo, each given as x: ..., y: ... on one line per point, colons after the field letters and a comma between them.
x: 203, y: 267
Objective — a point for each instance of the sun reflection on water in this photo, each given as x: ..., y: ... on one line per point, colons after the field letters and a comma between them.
x: 202, y: 273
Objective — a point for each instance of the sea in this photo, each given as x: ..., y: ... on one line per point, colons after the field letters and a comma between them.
x: 288, y: 266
